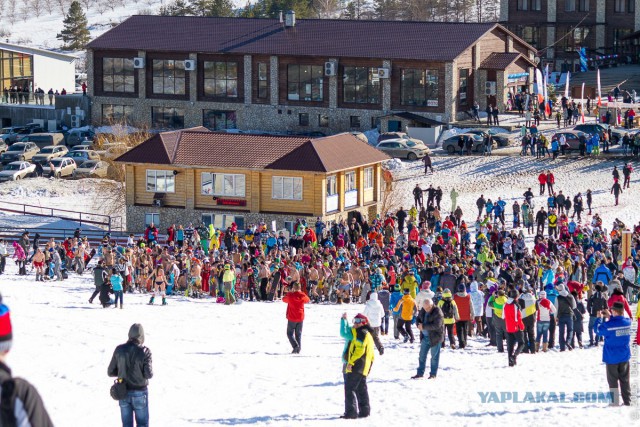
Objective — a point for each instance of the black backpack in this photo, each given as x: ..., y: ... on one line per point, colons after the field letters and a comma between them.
x: 8, y: 403
x: 447, y: 309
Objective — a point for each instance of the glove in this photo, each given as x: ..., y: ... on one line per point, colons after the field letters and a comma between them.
x: 381, y: 351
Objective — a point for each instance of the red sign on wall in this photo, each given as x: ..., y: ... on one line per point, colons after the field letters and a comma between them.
x: 231, y: 202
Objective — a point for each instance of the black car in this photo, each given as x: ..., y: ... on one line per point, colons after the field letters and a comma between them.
x: 593, y: 128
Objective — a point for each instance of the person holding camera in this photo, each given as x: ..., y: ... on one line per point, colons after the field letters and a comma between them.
x: 131, y: 364
x: 616, y: 330
x: 295, y: 300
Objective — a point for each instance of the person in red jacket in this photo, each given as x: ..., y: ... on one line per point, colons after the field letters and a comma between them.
x: 295, y: 316
x: 551, y: 180
x: 617, y: 295
x: 542, y: 179
x: 465, y: 314
x: 514, y: 326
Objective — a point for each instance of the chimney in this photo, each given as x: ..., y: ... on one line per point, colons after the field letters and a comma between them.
x: 290, y: 19
x: 281, y: 18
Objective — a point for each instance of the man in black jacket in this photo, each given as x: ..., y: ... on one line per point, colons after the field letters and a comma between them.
x: 430, y: 322
x: 595, y: 304
x: 100, y: 276
x: 24, y: 400
x: 131, y: 363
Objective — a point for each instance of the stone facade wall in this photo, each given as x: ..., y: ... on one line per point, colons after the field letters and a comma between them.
x: 504, y: 10
x: 168, y: 216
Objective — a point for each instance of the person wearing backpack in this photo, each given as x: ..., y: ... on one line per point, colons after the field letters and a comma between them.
x: 450, y: 316
x: 20, y: 403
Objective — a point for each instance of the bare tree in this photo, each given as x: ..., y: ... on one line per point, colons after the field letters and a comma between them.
x: 13, y: 9
x: 326, y: 8
x: 63, y: 6
x: 87, y: 4
x: 49, y: 5
x: 32, y: 7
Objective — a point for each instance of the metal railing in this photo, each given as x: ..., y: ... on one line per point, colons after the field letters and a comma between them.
x: 103, y: 221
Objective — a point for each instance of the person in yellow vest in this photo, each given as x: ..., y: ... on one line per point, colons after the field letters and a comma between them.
x: 358, y: 358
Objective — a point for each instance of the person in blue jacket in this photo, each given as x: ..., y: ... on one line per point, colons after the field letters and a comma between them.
x: 552, y: 295
x: 396, y: 296
x: 616, y: 330
x: 602, y: 273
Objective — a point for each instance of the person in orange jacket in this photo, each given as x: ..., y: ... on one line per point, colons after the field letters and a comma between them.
x: 513, y: 324
x: 295, y: 316
x: 406, y: 307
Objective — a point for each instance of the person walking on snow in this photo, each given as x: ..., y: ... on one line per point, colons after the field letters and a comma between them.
x: 374, y: 311
x: 406, y: 308
x: 358, y: 358
x: 295, y: 301
x: 430, y: 324
x: 454, y: 199
x: 616, y: 190
x: 514, y: 327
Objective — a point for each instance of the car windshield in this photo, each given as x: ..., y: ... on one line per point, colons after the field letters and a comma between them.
x: 88, y: 165
x: 12, y: 167
x: 410, y: 143
x: 46, y: 150
x: 56, y: 162
x: 76, y: 154
x: 16, y: 147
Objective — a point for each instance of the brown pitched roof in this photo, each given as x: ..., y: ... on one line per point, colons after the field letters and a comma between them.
x: 198, y: 147
x: 500, y: 61
x: 430, y: 41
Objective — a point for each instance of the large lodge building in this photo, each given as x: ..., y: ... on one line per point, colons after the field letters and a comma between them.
x: 305, y: 76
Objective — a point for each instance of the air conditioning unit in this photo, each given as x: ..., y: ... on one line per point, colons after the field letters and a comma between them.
x: 75, y: 121
x: 189, y: 65
x: 138, y: 62
x: 330, y: 69
x: 490, y: 88
x: 384, y: 73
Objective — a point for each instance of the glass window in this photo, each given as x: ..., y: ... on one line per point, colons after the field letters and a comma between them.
x: 160, y: 181
x: 583, y: 5
x: 118, y: 75
x: 361, y: 85
x: 221, y: 79
x: 218, y: 120
x: 530, y: 35
x: 305, y: 82
x: 618, y: 34
x: 152, y: 218
x: 263, y: 80
x: 618, y: 6
x: 523, y: 5
x: 462, y: 86
x: 220, y: 184
x: 350, y: 181
x: 323, y: 120
x: 631, y: 6
x: 222, y: 221
x: 303, y: 119
x: 286, y: 188
x: 121, y: 114
x: 169, y: 77
x: 368, y: 178
x: 570, y: 5
x: 537, y: 4
x: 332, y: 185
x: 354, y: 121
x: 419, y: 87
x: 167, y: 118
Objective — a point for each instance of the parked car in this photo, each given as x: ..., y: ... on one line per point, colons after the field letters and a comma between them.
x: 83, y: 155
x: 501, y: 139
x: 84, y: 146
x: 50, y: 152
x: 62, y: 166
x: 450, y: 145
x: 17, y: 170
x: 34, y: 128
x: 592, y: 128
x: 573, y: 138
x: 44, y: 139
x: 20, y: 151
x: 79, y: 135
x: 92, y: 169
x: 404, y: 148
x: 11, y: 134
x: 111, y: 150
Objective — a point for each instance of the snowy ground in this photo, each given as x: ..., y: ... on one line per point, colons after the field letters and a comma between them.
x: 217, y: 365
x: 230, y: 365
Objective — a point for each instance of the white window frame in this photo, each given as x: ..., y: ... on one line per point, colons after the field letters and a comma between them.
x: 238, y: 184
x: 350, y: 181
x: 284, y: 188
x: 225, y: 220
x: 164, y: 175
x: 155, y: 218
x: 368, y: 178
x: 332, y: 185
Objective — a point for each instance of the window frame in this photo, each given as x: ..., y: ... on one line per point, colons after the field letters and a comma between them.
x: 631, y: 6
x: 284, y: 190
x: 332, y: 185
x: 227, y: 219
x: 127, y: 71
x: 263, y: 83
x: 569, y: 5
x: 210, y: 76
x: 369, y: 175
x: 522, y: 5
x: 230, y: 119
x: 323, y: 120
x: 126, y: 114
x: 166, y: 174
x: 429, y: 76
x: 316, y: 87
x: 303, y: 119
x: 214, y: 176
x: 583, y: 5
x: 355, y: 122
x: 350, y: 181
x: 169, y: 72
x: 154, y: 216
x: 352, y: 81
x: 535, y: 5
x: 619, y: 6
x: 464, y: 78
x: 171, y: 117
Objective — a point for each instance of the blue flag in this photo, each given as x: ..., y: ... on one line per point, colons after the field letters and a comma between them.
x: 583, y: 59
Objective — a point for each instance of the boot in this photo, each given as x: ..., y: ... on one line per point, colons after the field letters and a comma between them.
x: 545, y: 347
x: 115, y: 305
x: 164, y: 301
x: 151, y: 301
x: 537, y: 347
x: 120, y: 306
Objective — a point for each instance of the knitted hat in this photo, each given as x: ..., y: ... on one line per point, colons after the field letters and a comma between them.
x: 361, y: 319
x: 6, y: 336
x: 542, y: 294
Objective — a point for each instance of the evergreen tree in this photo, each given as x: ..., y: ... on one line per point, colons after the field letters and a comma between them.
x: 198, y: 8
x: 75, y: 33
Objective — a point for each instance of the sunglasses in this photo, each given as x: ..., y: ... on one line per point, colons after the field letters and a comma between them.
x: 357, y: 321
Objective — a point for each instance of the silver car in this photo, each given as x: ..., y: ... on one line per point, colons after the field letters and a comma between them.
x: 62, y: 166
x: 17, y: 170
x: 92, y: 169
x: 403, y: 149
x: 50, y: 152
